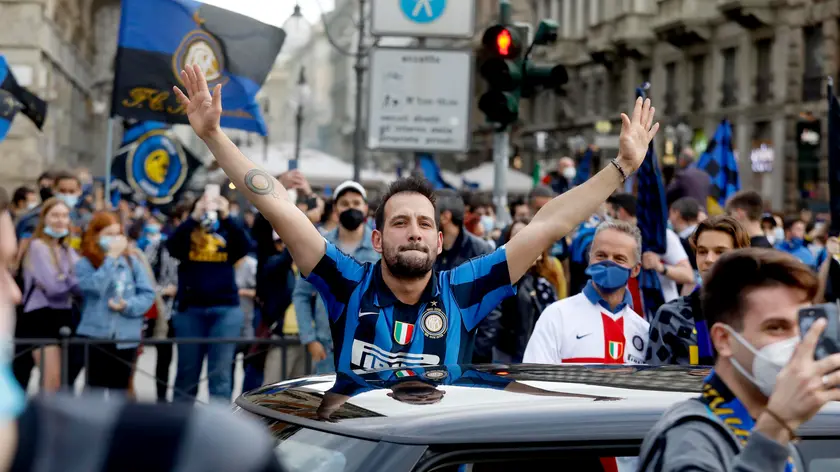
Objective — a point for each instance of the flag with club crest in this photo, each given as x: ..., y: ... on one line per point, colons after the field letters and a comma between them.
x: 14, y: 99
x: 719, y: 162
x: 834, y: 158
x: 653, y: 223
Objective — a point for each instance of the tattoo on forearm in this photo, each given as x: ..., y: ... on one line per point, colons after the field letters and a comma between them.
x: 259, y: 182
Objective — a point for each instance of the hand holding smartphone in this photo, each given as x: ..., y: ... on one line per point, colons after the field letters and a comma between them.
x: 830, y: 339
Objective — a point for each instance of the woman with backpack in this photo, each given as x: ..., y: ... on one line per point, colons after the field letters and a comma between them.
x: 49, y: 282
x: 117, y: 293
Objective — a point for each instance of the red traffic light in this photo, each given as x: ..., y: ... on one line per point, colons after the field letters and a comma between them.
x: 502, y: 42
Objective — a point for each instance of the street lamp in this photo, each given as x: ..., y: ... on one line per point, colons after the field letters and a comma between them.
x: 294, y: 27
x: 303, y: 94
x: 298, y: 30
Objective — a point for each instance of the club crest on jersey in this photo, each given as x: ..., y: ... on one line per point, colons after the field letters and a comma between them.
x: 403, y: 332
x: 616, y: 350
x: 434, y: 322
x: 435, y: 374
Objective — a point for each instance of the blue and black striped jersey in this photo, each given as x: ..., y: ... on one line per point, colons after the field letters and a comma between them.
x: 371, y: 329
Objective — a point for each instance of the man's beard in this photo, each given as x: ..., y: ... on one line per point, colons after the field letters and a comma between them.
x: 408, y: 266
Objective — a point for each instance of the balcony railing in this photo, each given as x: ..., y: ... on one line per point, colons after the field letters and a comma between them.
x: 730, y: 95
x: 812, y: 88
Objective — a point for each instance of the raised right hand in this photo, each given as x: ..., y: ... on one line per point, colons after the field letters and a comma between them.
x: 203, y: 109
x: 805, y: 385
x: 117, y: 246
x: 316, y: 350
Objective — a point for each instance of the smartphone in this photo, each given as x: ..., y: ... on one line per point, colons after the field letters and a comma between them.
x: 830, y: 340
x: 212, y: 192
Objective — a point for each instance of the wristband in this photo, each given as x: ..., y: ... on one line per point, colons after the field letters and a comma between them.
x: 782, y: 423
x: 615, y: 163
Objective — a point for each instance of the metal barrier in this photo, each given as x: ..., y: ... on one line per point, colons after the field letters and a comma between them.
x: 26, y: 346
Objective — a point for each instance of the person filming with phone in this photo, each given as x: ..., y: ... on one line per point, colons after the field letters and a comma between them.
x: 207, y: 244
x: 767, y: 380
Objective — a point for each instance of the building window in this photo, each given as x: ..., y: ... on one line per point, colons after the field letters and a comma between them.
x: 671, y: 89
x: 698, y: 71
x: 730, y: 79
x: 763, y: 77
x: 584, y: 98
x: 599, y: 97
x: 813, y: 77
x: 616, y: 92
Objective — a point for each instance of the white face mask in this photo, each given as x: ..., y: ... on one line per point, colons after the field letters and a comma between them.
x: 767, y: 363
x: 570, y: 173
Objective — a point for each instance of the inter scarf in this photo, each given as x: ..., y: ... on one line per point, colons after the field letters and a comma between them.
x: 722, y: 403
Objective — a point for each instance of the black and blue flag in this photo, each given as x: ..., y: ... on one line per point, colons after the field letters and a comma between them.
x: 152, y: 165
x: 431, y: 171
x: 653, y: 223
x: 158, y: 38
x: 584, y: 167
x: 834, y: 159
x: 719, y: 162
x: 14, y: 98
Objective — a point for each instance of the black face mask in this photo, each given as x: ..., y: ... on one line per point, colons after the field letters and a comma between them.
x: 351, y: 219
x: 45, y: 193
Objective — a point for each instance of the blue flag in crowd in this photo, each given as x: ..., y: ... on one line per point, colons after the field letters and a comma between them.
x: 152, y: 165
x: 14, y: 98
x: 653, y: 222
x: 158, y: 38
x: 719, y: 162
x: 834, y: 159
x: 427, y: 164
x: 584, y: 167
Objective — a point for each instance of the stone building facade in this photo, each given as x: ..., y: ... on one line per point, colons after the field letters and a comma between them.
x: 63, y: 51
x: 761, y: 64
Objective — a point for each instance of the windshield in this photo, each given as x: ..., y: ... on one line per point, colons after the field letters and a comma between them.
x: 307, y: 450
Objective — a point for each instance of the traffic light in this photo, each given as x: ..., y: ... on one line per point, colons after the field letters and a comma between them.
x: 503, y: 72
x: 544, y: 77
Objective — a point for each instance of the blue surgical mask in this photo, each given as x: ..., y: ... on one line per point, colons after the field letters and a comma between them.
x: 69, y: 200
x: 105, y: 242
x: 488, y: 222
x: 56, y: 233
x: 152, y: 229
x: 608, y: 275
x: 779, y: 235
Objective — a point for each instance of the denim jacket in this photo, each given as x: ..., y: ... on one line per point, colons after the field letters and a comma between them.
x: 313, y: 323
x: 100, y: 285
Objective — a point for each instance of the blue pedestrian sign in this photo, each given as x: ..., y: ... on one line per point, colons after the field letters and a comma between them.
x: 423, y: 11
x: 423, y: 18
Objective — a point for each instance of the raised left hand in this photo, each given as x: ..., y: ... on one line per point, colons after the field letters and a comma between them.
x: 636, y: 134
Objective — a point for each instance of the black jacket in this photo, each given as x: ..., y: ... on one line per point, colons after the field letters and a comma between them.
x: 519, y: 315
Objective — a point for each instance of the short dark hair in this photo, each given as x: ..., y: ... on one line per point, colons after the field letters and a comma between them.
x: 451, y: 201
x: 789, y: 221
x: 405, y: 185
x: 625, y: 201
x: 64, y: 175
x: 516, y: 203
x: 45, y: 175
x: 749, y: 201
x: 688, y: 208
x: 20, y: 194
x: 724, y: 224
x: 742, y: 270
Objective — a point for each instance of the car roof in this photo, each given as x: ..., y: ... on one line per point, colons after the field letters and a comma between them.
x: 490, y: 403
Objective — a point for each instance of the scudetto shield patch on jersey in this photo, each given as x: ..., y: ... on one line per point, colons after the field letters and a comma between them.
x: 403, y: 332
x: 616, y: 350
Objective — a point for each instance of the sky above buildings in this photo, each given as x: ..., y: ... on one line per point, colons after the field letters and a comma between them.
x: 275, y: 12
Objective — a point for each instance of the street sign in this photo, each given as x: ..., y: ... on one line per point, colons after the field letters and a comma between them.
x: 425, y: 18
x: 419, y: 99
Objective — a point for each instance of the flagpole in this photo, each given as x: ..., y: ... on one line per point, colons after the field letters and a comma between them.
x: 109, y: 151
